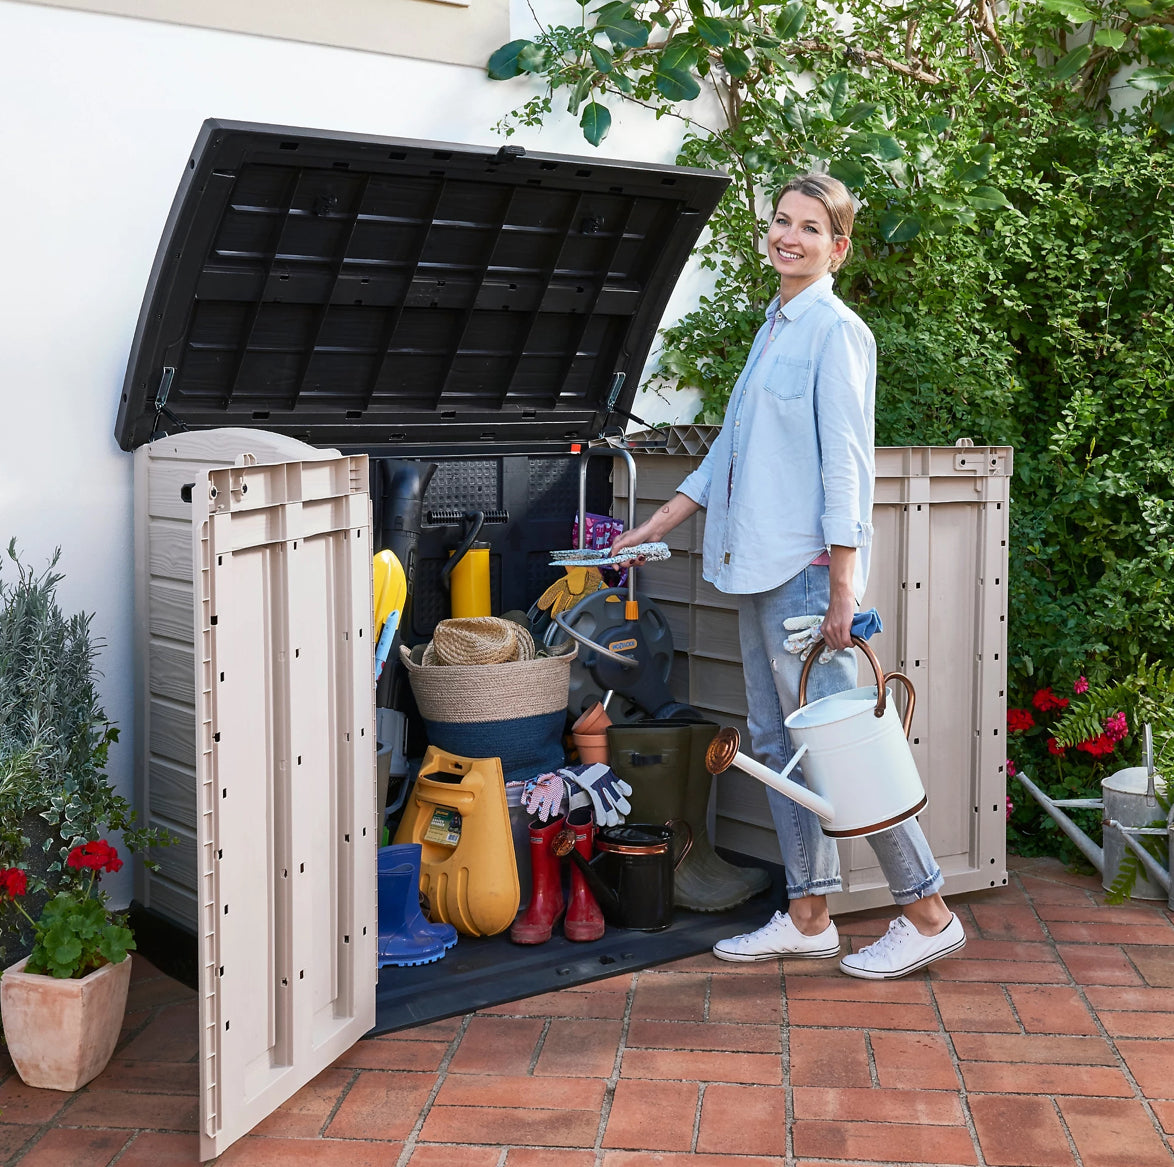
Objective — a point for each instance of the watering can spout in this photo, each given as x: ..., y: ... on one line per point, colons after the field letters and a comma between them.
x: 723, y: 752
x: 1094, y: 854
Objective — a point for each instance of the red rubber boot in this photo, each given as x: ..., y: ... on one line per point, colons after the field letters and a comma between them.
x: 546, y: 905
x: 584, y: 918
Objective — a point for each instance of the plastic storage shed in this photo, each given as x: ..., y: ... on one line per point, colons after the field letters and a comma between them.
x: 320, y: 302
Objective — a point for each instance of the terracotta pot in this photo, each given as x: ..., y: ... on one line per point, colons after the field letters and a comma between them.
x: 592, y: 747
x: 61, y: 1032
x: 593, y: 720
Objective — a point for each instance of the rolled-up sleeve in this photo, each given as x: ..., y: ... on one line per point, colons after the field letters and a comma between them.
x: 844, y: 398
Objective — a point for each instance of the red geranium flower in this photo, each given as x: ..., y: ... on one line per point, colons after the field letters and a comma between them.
x: 13, y: 882
x: 1054, y: 747
x: 1098, y: 746
x: 1045, y: 700
x: 1019, y: 720
x: 98, y: 855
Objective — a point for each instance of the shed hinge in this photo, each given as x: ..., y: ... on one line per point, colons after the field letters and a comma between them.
x: 161, y: 406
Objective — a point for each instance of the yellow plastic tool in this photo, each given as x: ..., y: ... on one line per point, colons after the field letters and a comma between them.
x: 391, y: 587
x: 458, y: 814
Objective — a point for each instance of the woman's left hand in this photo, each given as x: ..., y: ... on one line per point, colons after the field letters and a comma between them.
x: 837, y: 624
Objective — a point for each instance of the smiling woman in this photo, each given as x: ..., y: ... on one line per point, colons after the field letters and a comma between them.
x: 799, y: 427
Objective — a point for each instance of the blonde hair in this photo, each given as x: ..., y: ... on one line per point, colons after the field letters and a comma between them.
x: 835, y: 199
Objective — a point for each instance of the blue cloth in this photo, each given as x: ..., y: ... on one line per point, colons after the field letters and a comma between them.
x: 867, y: 623
x: 791, y: 472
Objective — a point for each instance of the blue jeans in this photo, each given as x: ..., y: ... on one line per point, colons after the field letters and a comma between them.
x: 772, y: 692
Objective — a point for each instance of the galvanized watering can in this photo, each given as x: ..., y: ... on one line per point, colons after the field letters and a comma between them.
x: 1128, y: 804
x: 860, y: 773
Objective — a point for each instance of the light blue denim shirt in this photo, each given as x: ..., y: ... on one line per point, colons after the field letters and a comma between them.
x: 791, y: 472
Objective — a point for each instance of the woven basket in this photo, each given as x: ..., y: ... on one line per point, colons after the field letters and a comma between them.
x: 514, y: 711
x: 484, y: 693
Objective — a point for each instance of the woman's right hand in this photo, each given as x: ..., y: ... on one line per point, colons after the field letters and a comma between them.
x: 630, y: 539
x: 655, y: 528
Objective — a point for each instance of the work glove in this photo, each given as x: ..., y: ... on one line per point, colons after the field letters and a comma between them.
x: 806, y: 633
x: 565, y: 593
x: 607, y: 791
x: 543, y: 796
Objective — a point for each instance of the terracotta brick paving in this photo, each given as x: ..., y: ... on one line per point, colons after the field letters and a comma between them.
x: 1048, y: 1042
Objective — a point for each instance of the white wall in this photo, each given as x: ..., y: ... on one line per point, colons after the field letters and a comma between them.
x: 100, y: 113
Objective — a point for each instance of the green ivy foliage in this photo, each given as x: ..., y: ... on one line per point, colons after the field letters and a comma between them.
x: 1014, y: 257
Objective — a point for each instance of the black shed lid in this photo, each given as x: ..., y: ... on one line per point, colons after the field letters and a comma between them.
x: 353, y: 290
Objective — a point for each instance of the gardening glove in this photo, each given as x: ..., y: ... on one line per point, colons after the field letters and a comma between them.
x: 565, y: 593
x: 543, y: 796
x: 805, y: 633
x: 602, y: 557
x: 607, y: 791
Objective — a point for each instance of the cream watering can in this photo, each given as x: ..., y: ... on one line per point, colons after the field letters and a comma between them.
x: 860, y: 773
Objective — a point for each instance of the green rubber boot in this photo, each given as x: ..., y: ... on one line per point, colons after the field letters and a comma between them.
x: 664, y: 763
x: 722, y: 885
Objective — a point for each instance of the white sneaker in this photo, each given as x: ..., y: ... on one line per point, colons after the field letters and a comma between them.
x: 779, y: 937
x: 902, y: 949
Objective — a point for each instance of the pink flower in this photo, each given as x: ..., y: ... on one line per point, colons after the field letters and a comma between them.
x: 1116, y: 727
x: 1011, y: 771
x: 1010, y: 807
x: 1081, y: 685
x: 1019, y: 720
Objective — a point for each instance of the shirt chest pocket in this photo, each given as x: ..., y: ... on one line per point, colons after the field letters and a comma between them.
x: 787, y: 378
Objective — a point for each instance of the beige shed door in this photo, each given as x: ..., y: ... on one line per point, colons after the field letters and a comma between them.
x: 285, y: 782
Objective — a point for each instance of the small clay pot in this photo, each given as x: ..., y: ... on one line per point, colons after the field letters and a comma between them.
x: 593, y: 720
x: 592, y: 747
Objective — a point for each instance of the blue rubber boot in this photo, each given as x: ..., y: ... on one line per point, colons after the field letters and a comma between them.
x: 405, y: 937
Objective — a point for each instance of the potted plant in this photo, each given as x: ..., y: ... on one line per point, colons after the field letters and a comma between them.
x: 62, y: 1006
x: 54, y: 743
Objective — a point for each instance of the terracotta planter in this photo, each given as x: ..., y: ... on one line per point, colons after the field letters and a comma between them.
x: 593, y: 720
x: 590, y: 734
x: 592, y: 747
x: 61, y: 1033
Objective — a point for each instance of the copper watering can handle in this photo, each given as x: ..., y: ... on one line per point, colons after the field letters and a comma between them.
x: 881, y: 680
